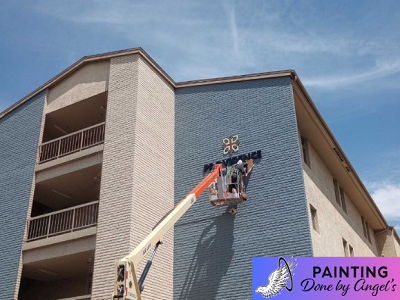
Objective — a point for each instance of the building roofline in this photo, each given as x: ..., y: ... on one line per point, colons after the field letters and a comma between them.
x: 97, y: 57
x: 83, y: 61
x: 227, y: 79
x: 337, y: 145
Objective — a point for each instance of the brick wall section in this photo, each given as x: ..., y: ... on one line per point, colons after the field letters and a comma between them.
x: 153, y: 175
x: 334, y: 224
x: 19, y: 135
x: 213, y: 250
x: 138, y: 173
x: 115, y: 207
x: 67, y: 288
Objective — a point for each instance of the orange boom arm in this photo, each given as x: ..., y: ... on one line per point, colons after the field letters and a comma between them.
x: 126, y: 284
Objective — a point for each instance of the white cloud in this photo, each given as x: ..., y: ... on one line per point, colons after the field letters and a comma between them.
x: 382, y: 68
x: 387, y: 197
x: 211, y: 38
x: 233, y: 27
x: 386, y: 166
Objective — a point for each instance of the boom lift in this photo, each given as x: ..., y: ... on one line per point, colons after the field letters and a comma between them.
x: 222, y: 192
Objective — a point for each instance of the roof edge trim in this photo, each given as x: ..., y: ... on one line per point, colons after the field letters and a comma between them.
x: 228, y: 79
x: 97, y: 57
x: 335, y: 142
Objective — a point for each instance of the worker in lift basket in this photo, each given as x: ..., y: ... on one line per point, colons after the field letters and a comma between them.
x: 232, y: 185
x: 242, y: 168
x: 237, y: 171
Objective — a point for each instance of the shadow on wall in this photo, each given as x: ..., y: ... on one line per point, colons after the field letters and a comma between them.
x: 211, y: 261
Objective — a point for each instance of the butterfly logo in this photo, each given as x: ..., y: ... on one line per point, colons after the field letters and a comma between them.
x: 230, y: 144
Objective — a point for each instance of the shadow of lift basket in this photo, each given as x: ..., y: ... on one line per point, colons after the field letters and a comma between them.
x: 226, y: 191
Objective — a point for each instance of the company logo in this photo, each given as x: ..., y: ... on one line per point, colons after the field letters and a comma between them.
x: 279, y: 279
x: 146, y: 249
x: 230, y: 144
x: 132, y: 295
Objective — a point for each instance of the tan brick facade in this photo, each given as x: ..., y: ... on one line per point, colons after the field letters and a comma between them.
x: 153, y: 184
x: 138, y: 173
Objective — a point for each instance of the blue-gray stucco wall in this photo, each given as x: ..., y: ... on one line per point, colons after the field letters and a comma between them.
x: 213, y: 250
x: 19, y: 135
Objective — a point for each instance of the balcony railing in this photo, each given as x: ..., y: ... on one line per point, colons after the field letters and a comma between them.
x: 63, y: 221
x: 72, y: 142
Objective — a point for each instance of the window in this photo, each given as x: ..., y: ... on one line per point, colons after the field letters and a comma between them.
x: 346, y: 252
x: 367, y: 230
x: 351, y: 251
x: 363, y: 225
x: 336, y: 186
x: 339, y: 195
x: 314, y: 218
x: 304, y: 147
x: 343, y: 200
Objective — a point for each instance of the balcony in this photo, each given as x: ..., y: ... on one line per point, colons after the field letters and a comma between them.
x: 63, y: 221
x: 58, y: 254
x: 73, y: 142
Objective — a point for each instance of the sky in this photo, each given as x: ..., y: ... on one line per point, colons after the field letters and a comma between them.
x: 347, y: 54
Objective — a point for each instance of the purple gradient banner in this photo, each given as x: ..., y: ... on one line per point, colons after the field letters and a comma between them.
x: 327, y: 278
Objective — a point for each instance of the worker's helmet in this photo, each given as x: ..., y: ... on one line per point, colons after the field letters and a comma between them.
x: 239, y: 162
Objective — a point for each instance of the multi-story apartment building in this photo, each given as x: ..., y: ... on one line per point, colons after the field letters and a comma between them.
x: 94, y: 158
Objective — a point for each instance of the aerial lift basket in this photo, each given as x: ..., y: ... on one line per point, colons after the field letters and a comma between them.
x: 228, y: 189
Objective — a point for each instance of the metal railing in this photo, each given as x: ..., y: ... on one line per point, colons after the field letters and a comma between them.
x: 72, y: 142
x: 63, y: 221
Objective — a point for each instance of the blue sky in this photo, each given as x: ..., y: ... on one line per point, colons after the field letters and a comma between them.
x: 347, y: 54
